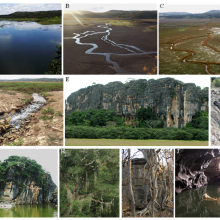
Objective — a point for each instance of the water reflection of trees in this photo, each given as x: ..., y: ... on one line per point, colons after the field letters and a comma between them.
x: 190, y: 203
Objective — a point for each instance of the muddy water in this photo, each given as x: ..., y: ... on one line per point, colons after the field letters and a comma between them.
x: 194, y: 202
x: 131, y: 50
x: 34, y: 210
x: 18, y: 118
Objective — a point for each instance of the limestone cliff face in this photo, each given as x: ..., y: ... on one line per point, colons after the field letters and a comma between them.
x: 26, y: 191
x: 173, y: 101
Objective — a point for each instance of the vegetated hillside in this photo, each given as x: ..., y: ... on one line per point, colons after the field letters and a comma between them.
x: 175, y: 102
x: 35, y: 80
x: 36, y: 14
x: 173, y: 13
x: 121, y: 14
x: 207, y: 15
x: 23, y: 181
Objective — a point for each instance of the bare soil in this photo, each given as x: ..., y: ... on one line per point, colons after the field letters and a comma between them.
x: 77, y: 62
x: 9, y: 100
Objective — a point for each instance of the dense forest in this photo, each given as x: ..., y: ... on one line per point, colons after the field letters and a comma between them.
x: 36, y: 14
x: 89, y: 183
x: 121, y: 14
x: 42, y: 17
x: 146, y: 125
x: 24, y: 168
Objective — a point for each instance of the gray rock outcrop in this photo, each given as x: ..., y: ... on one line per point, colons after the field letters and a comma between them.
x: 173, y: 101
x: 26, y: 190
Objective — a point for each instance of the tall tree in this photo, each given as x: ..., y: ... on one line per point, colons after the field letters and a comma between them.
x: 89, y: 182
x: 130, y: 184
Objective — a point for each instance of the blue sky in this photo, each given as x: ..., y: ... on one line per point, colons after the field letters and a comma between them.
x: 9, y: 8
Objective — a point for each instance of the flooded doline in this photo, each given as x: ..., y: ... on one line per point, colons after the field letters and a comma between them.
x: 130, y: 49
x: 30, y: 210
x: 199, y: 202
x: 35, y: 44
x: 18, y: 118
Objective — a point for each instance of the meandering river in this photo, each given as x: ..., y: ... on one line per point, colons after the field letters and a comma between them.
x: 131, y: 50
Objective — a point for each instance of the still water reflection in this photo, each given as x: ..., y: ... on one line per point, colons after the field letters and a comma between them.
x: 27, y: 47
x: 199, y: 202
x: 34, y: 210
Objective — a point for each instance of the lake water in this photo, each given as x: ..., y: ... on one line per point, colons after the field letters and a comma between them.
x: 199, y: 202
x: 34, y: 210
x: 27, y: 47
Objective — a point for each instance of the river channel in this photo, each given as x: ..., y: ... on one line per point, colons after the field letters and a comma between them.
x: 33, y: 210
x: 130, y: 49
x: 199, y: 202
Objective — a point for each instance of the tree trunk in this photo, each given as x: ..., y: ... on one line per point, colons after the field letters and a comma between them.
x: 130, y: 184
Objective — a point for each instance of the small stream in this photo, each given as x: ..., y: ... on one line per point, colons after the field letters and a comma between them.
x: 18, y: 118
x: 131, y: 50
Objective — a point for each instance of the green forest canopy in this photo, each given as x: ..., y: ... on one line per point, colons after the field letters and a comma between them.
x: 25, y: 168
x: 146, y: 125
x: 89, y: 183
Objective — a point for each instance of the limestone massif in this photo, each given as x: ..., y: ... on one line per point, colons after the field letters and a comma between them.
x: 26, y: 190
x: 172, y: 100
x: 190, y: 166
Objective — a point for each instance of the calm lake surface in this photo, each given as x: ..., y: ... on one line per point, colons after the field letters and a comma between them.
x: 199, y: 202
x: 35, y: 210
x: 27, y: 47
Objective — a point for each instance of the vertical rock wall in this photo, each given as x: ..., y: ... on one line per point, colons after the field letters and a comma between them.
x: 173, y: 101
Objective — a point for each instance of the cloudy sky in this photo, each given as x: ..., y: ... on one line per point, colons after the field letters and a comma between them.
x: 81, y: 81
x: 47, y: 158
x: 9, y: 8
x: 188, y: 8
x: 107, y: 7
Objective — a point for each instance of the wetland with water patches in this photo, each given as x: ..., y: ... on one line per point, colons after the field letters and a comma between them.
x: 189, y: 46
x: 109, y: 49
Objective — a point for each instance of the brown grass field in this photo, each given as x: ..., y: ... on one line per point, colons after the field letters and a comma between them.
x: 123, y: 142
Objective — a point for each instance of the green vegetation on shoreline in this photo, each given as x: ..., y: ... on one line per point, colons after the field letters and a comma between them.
x: 45, y: 21
x: 31, y: 87
x: 42, y: 17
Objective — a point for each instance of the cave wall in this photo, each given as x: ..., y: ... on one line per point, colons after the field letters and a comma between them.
x: 213, y: 171
x: 173, y: 101
x: 25, y: 191
x: 190, y: 165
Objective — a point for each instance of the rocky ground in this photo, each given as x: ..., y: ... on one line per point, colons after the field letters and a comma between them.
x: 40, y: 129
x: 215, y: 117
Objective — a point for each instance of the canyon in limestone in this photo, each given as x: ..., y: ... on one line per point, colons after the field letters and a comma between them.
x: 172, y: 100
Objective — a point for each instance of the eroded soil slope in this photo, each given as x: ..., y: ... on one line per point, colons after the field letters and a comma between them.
x: 43, y: 128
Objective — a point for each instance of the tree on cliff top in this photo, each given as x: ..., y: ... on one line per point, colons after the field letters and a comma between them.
x: 89, y: 183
